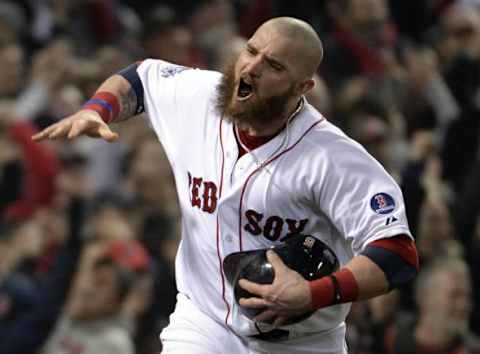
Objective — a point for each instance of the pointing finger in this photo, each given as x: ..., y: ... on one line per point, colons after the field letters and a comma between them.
x: 44, y: 133
x: 58, y: 132
x: 39, y: 136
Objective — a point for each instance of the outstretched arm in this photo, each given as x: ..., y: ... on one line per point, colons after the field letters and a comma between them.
x: 115, y: 100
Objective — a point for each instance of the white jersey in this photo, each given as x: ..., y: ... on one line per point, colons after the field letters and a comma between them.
x: 311, y: 178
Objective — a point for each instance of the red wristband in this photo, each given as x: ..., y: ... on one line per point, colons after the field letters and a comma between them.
x: 337, y: 288
x: 105, y: 104
x: 323, y: 292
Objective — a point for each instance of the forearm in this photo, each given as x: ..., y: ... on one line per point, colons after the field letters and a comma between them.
x: 118, y: 98
x: 359, y: 279
x: 119, y: 87
x: 371, y: 280
x: 384, y: 265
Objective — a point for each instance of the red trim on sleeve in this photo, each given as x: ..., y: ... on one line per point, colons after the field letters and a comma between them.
x: 401, y: 245
x: 324, y: 293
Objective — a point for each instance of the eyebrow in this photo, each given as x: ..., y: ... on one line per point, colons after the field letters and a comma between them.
x: 274, y: 61
x: 267, y: 57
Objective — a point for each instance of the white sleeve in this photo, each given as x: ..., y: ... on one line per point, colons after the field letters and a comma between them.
x: 359, y: 197
x: 174, y: 98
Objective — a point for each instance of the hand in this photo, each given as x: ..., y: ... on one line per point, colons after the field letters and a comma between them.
x: 140, y: 296
x: 422, y: 67
x: 84, y: 122
x: 422, y: 145
x: 288, y: 296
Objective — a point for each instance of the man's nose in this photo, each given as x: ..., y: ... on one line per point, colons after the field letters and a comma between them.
x: 255, y: 66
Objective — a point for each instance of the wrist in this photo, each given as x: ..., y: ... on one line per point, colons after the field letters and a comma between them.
x: 337, y: 288
x: 105, y: 104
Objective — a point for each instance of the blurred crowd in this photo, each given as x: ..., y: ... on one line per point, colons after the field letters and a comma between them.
x: 89, y: 230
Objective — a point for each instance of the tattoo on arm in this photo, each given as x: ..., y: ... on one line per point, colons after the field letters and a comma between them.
x: 128, y: 104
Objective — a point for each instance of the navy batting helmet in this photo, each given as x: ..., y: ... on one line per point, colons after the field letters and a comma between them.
x: 305, y: 254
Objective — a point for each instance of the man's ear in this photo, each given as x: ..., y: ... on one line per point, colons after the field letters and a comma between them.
x: 305, y: 86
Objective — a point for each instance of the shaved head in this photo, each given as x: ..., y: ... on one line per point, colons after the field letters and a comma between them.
x: 264, y: 84
x: 304, y: 39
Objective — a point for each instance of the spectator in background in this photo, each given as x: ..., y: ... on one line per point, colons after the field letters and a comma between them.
x: 369, y: 321
x: 361, y: 34
x: 458, y: 45
x: 28, y: 181
x: 444, y: 298
x: 30, y: 303
x: 12, y: 21
x: 319, y: 97
x: 415, y: 18
x: 436, y: 237
x: 164, y: 37
x: 228, y: 52
x: 422, y: 183
x: 425, y: 78
x: 212, y: 23
x: 93, y: 321
x: 11, y: 57
x: 368, y: 124
x: 467, y: 222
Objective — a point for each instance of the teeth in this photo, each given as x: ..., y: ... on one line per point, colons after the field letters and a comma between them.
x: 245, y: 80
x: 245, y: 89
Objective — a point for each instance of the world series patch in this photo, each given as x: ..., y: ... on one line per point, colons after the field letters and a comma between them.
x: 382, y: 203
x: 172, y: 70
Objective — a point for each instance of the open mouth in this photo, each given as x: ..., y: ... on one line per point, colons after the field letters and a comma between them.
x: 245, y: 90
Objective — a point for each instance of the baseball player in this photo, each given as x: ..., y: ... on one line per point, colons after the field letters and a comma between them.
x: 254, y: 162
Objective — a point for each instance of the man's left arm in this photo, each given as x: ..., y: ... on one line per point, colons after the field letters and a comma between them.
x: 384, y: 265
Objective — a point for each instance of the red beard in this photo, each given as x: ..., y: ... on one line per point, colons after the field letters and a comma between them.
x: 259, y: 111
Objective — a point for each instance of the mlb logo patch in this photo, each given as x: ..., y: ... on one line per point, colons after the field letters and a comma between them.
x: 382, y: 203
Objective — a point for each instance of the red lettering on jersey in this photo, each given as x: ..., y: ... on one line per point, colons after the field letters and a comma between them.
x: 196, y: 183
x: 209, y: 197
x: 253, y: 225
x: 273, y: 228
x: 296, y: 226
x: 205, y: 199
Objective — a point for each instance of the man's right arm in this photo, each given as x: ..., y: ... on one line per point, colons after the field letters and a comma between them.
x: 115, y: 100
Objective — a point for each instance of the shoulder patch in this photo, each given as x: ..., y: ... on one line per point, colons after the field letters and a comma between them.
x: 382, y: 203
x: 172, y: 70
